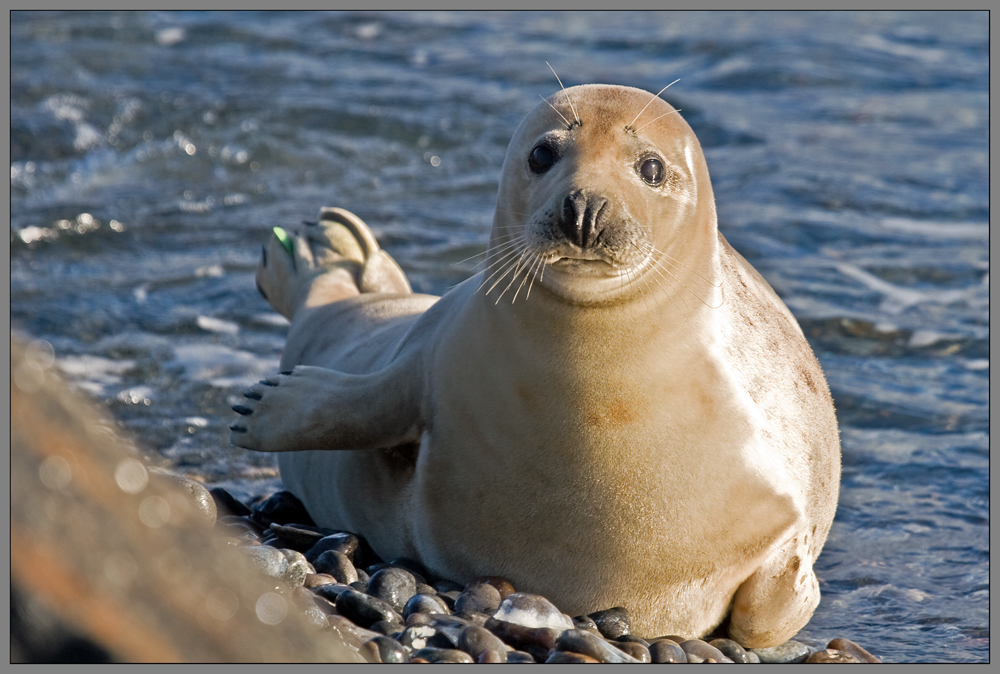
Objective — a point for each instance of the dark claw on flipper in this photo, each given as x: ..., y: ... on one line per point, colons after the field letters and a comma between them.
x: 253, y: 395
x: 286, y: 373
x: 265, y: 382
x: 239, y: 409
x: 261, y: 291
x: 236, y: 428
x: 309, y: 224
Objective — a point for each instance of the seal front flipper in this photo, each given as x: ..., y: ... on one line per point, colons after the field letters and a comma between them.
x: 318, y: 408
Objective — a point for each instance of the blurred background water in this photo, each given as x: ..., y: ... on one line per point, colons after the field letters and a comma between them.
x: 151, y: 153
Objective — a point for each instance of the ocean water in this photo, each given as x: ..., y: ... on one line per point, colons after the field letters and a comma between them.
x: 151, y: 153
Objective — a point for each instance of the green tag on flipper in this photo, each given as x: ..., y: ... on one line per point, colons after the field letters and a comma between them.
x: 283, y: 237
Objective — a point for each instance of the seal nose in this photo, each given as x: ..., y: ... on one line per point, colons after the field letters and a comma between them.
x: 581, y: 219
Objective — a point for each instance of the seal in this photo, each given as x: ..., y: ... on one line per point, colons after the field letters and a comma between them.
x: 618, y: 411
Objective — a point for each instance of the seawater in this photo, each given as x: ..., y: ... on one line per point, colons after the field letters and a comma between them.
x: 151, y: 153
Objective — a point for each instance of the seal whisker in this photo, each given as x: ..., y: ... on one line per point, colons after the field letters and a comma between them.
x: 511, y: 261
x: 527, y: 270
x: 570, y: 100
x: 629, y: 126
x: 513, y: 278
x: 677, y: 262
x: 499, y: 265
x: 539, y: 264
x: 656, y: 118
x: 554, y: 108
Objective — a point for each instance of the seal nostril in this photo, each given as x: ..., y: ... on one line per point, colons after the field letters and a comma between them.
x: 581, y: 217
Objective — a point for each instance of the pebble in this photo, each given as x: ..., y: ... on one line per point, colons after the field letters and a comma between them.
x: 569, y: 658
x: 337, y: 565
x: 637, y: 650
x: 314, y: 580
x: 702, y: 651
x: 227, y: 504
x: 443, y: 655
x: 478, y: 598
x: 476, y: 641
x: 415, y: 637
x: 198, y: 495
x: 731, y: 650
x: 520, y: 658
x: 282, y: 507
x: 612, y: 622
x: 384, y: 650
x: 330, y: 591
x: 666, y: 651
x: 789, y: 652
x: 393, y: 585
x: 298, y: 568
x: 503, y: 586
x: 848, y: 646
x: 537, y: 641
x: 391, y: 615
x: 532, y: 610
x: 581, y: 641
x: 832, y: 656
x: 267, y: 559
x: 298, y: 537
x: 345, y: 544
x: 350, y: 633
x: 363, y: 609
x: 424, y: 603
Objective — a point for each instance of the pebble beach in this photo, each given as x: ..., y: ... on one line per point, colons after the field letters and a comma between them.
x: 395, y: 612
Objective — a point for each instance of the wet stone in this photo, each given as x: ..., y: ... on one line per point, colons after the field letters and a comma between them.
x: 197, y: 494
x: 582, y: 622
x: 479, y: 598
x: 364, y: 610
x: 503, y: 586
x: 476, y: 640
x: 637, y: 650
x: 345, y: 544
x: 537, y: 641
x: 227, y: 504
x: 666, y: 651
x: 569, y: 658
x: 325, y: 605
x: 831, y: 656
x: 789, y: 652
x: 848, y: 646
x: 298, y: 537
x: 337, y: 565
x: 532, y: 610
x: 472, y: 617
x: 415, y: 637
x: 281, y: 507
x: 330, y: 591
x: 492, y: 657
x: 348, y: 632
x: 393, y: 585
x: 449, y: 598
x: 520, y: 658
x: 450, y: 627
x: 581, y: 641
x: 418, y: 619
x: 385, y: 650
x: 416, y: 569
x: 612, y: 622
x: 387, y: 627
x: 443, y: 655
x: 424, y: 603
x: 314, y: 580
x: 703, y: 651
x: 731, y: 650
x: 298, y: 568
x: 360, y: 586
x: 267, y: 559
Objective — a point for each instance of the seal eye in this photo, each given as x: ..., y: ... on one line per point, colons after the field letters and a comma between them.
x: 651, y: 171
x: 542, y: 158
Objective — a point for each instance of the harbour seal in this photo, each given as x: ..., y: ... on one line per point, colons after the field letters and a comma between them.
x: 618, y: 411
